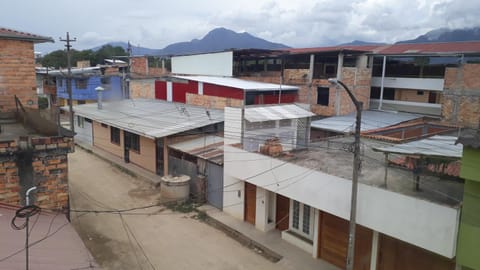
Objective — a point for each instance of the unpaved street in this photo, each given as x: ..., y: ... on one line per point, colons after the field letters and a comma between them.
x: 152, y: 238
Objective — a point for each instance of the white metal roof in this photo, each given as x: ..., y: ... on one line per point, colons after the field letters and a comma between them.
x: 149, y: 117
x: 275, y: 112
x: 238, y: 83
x: 440, y: 146
x: 370, y: 120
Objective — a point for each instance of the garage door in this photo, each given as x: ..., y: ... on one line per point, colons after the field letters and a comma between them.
x: 398, y: 255
x: 333, y: 242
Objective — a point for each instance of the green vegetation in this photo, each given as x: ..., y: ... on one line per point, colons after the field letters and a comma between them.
x: 58, y: 59
x: 42, y: 103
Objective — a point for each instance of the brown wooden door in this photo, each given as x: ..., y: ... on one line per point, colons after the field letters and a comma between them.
x: 282, y: 212
x: 398, y: 255
x: 250, y: 202
x: 333, y: 242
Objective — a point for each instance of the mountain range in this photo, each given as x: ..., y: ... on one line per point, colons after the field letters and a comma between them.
x: 220, y: 39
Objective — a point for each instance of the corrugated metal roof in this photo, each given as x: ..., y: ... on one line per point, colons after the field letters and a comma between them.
x: 206, y: 147
x: 437, y: 146
x: 58, y: 251
x: 276, y: 112
x: 370, y: 120
x: 436, y: 48
x: 149, y: 117
x: 238, y: 83
x: 14, y: 34
x: 340, y: 48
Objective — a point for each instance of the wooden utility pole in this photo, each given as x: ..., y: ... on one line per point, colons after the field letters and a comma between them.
x: 69, y: 78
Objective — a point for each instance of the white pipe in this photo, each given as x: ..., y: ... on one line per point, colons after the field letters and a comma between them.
x: 27, y: 195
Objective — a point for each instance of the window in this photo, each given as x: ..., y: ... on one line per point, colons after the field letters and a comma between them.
x: 323, y: 96
x: 302, y: 219
x: 81, y: 83
x: 388, y: 93
x: 105, y: 80
x: 80, y: 121
x: 420, y: 93
x: 60, y: 83
x: 81, y: 102
x: 132, y: 141
x: 115, y: 135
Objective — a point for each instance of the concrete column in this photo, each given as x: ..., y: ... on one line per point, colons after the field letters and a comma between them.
x: 337, y: 90
x: 165, y: 156
x: 374, y: 254
x: 382, y: 82
x: 310, y: 78
x: 316, y: 214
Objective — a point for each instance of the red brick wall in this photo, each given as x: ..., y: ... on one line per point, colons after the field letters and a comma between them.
x: 17, y: 74
x: 461, y: 96
x: 50, y: 173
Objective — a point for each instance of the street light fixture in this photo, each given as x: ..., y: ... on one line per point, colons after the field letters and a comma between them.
x: 356, y: 169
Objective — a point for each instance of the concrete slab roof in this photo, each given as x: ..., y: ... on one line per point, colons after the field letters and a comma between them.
x: 370, y: 120
x: 151, y: 118
x: 54, y: 243
x: 239, y: 83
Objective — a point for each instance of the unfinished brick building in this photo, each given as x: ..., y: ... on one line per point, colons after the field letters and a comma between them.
x: 33, y: 150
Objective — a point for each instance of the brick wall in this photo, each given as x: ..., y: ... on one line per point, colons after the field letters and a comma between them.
x: 48, y: 161
x: 142, y: 88
x: 17, y: 74
x: 212, y: 102
x: 139, y: 67
x: 411, y: 95
x: 461, y: 96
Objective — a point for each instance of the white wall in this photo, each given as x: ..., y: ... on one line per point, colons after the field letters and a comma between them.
x: 409, y: 83
x: 84, y: 135
x: 213, y: 64
x: 416, y: 221
x: 233, y: 125
x: 233, y: 194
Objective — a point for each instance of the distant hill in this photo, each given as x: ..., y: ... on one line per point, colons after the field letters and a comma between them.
x: 360, y: 43
x: 218, y: 39
x: 446, y: 35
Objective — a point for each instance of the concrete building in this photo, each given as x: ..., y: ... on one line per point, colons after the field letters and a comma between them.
x: 274, y: 183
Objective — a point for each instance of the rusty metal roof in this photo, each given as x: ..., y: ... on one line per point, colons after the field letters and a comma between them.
x: 432, y: 48
x: 341, y: 48
x: 6, y: 33
x: 206, y: 147
x: 60, y: 249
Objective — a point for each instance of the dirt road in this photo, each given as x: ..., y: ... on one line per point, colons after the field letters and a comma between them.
x: 152, y: 238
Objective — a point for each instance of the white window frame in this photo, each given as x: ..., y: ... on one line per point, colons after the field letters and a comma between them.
x: 311, y: 220
x: 80, y: 121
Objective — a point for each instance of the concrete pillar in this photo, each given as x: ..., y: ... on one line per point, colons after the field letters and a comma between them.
x: 165, y: 156
x: 382, y: 82
x: 337, y: 89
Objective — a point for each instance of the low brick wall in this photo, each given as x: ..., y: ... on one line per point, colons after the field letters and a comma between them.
x: 44, y: 164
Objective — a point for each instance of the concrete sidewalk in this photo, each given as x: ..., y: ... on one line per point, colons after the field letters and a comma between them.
x: 291, y: 257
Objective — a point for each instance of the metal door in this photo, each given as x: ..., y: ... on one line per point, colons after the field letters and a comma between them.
x: 215, y: 185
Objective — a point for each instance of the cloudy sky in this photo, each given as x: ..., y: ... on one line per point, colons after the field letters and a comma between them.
x: 301, y: 23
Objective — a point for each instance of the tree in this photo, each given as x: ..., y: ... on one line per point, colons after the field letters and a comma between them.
x: 58, y: 59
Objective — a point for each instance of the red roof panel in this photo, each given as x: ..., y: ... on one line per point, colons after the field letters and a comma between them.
x: 425, y: 48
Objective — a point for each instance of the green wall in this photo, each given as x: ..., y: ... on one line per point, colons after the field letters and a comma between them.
x: 468, y: 248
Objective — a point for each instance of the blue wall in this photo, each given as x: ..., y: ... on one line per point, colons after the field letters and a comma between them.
x: 113, y: 90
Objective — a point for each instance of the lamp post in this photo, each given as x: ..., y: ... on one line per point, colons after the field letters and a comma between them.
x: 356, y: 169
x: 99, y: 90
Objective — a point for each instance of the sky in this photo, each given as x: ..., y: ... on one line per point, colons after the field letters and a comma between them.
x: 301, y: 23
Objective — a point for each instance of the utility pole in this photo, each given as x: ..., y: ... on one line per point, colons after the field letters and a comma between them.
x: 69, y: 78
x: 356, y: 169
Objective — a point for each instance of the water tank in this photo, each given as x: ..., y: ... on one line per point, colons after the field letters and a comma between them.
x: 175, y: 188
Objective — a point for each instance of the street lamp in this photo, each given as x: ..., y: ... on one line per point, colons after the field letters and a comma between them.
x: 99, y: 90
x: 356, y: 169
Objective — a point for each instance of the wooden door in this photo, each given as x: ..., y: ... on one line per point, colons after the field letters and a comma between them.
x: 250, y: 202
x: 282, y: 212
x: 333, y: 242
x: 398, y: 255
